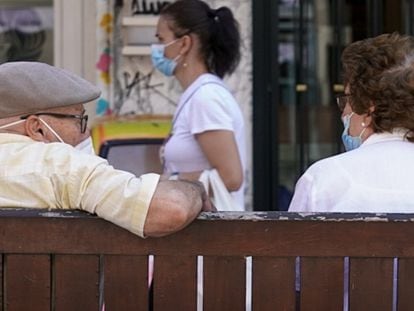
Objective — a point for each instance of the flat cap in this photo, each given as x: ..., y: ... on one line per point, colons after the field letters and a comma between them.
x: 28, y: 87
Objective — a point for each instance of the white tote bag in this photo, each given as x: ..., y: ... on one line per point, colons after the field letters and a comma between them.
x: 221, y: 197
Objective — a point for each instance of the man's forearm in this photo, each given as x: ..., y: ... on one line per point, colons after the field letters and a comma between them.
x: 174, y: 205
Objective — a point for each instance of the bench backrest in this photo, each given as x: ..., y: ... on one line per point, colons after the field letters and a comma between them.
x: 74, y: 261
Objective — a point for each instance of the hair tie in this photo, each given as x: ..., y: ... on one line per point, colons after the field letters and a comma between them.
x: 213, y: 14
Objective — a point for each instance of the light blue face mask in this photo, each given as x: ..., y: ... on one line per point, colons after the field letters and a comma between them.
x: 350, y: 142
x: 162, y: 63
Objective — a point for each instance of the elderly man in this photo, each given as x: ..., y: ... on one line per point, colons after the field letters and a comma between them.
x: 42, y: 124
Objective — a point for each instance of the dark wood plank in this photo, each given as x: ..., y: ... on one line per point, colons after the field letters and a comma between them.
x: 322, y: 284
x: 126, y: 283
x: 269, y: 234
x: 175, y: 283
x: 370, y: 284
x: 76, y: 282
x: 405, y: 284
x: 273, y: 283
x: 224, y: 283
x: 1, y: 282
x: 27, y: 282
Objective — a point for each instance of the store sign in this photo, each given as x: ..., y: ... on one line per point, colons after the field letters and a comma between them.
x: 144, y: 7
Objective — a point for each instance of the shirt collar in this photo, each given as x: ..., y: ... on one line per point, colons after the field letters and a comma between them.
x: 204, y: 78
x: 13, y: 138
x: 397, y: 134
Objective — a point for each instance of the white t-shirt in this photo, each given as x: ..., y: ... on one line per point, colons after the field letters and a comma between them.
x: 377, y: 177
x: 204, y: 106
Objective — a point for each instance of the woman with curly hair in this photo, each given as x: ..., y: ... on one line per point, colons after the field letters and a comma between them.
x: 377, y: 172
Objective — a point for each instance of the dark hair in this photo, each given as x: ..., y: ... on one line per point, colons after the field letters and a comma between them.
x: 217, y: 31
x: 380, y: 71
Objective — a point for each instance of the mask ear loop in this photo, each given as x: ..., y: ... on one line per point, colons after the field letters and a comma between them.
x: 52, y: 130
x: 175, y: 59
x: 363, y: 124
x: 362, y: 132
x: 11, y: 124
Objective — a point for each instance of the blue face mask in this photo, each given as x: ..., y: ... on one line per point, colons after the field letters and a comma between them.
x: 162, y: 63
x: 350, y: 142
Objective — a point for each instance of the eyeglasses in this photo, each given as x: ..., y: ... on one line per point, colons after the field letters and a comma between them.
x: 83, y: 118
x: 342, y: 100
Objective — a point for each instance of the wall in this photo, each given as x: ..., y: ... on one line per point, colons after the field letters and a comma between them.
x: 75, y: 39
x: 241, y: 82
x: 78, y: 47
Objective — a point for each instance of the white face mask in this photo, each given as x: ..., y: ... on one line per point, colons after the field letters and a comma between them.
x: 84, y: 146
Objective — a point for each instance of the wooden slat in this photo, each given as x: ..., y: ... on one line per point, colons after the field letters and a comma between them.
x: 76, y: 282
x: 175, y: 286
x: 126, y: 283
x: 273, y: 283
x: 27, y: 279
x: 405, y: 301
x: 1, y: 282
x: 224, y: 283
x: 322, y: 281
x: 370, y: 284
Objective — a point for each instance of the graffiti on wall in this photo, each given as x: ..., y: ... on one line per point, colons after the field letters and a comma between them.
x: 141, y: 87
x: 131, y: 85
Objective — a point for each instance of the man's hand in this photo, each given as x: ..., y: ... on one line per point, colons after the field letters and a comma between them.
x: 208, y: 205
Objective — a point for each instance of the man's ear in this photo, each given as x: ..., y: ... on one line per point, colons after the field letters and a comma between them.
x: 35, y: 129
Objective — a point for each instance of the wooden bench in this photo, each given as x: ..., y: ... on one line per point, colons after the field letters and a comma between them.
x: 53, y: 260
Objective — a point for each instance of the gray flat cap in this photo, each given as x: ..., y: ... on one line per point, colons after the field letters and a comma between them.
x: 28, y: 87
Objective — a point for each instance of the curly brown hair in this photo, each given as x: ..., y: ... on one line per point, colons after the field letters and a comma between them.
x: 380, y: 72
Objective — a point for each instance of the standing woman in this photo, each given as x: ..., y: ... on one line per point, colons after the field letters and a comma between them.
x: 199, y: 46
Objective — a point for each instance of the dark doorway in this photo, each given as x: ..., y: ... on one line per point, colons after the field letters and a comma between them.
x: 297, y: 46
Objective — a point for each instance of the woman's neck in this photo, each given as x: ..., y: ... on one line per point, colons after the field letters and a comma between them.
x: 188, y: 74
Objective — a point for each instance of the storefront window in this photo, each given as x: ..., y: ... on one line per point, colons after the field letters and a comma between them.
x: 26, y: 30
x: 298, y: 46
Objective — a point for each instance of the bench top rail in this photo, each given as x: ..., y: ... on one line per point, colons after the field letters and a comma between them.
x: 70, y: 260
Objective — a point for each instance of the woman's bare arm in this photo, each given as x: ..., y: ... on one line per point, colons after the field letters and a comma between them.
x: 220, y: 148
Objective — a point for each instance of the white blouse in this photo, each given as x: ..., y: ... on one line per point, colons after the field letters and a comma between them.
x: 376, y: 177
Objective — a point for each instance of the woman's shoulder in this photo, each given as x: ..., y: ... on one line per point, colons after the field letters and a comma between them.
x: 329, y: 165
x: 208, y: 81
x: 212, y: 87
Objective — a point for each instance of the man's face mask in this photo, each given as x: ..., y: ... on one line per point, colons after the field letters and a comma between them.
x: 350, y: 142
x: 84, y: 146
x: 162, y: 63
